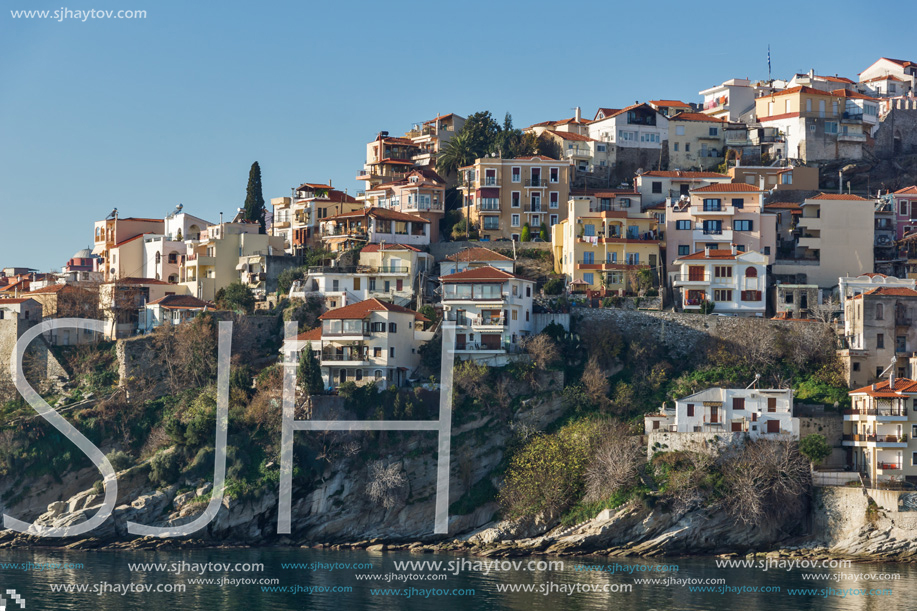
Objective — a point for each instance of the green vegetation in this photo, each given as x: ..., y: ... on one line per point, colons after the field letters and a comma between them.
x: 309, y: 373
x: 526, y: 235
x: 815, y: 448
x: 253, y: 209
x: 237, y: 297
x: 554, y: 286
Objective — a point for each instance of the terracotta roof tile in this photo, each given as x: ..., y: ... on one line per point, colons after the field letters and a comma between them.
x: 670, y: 103
x: 17, y: 301
x: 839, y: 197
x: 902, y: 385
x: 685, y: 175
x: 888, y: 291
x: 912, y: 190
x: 311, y: 335
x: 181, y: 302
x: 480, y: 274
x: 362, y: 309
x: 713, y: 254
x: 378, y: 247
x: 728, y: 187
x: 696, y: 116
x: 571, y: 136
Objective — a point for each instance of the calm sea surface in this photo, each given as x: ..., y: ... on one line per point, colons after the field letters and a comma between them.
x: 359, y: 580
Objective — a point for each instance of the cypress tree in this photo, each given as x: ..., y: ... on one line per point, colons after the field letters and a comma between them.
x: 254, y: 200
x: 310, y: 372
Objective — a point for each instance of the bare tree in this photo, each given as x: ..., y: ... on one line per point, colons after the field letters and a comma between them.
x: 616, y: 463
x: 595, y: 383
x: 388, y: 485
x: 825, y: 311
x: 543, y: 351
x: 768, y: 481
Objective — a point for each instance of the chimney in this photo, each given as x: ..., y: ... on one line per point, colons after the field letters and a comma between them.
x: 707, y: 250
x: 735, y: 249
x: 578, y: 114
x: 891, y: 379
x: 812, y: 73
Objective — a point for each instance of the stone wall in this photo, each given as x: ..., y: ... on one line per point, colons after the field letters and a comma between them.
x: 897, y: 132
x: 831, y: 425
x: 628, y: 160
x: 39, y: 351
x: 666, y: 441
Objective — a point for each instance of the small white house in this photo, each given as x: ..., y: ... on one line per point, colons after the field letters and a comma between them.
x: 757, y: 412
x: 733, y: 280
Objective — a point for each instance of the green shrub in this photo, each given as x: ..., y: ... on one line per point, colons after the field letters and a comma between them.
x: 554, y: 286
x: 119, y: 460
x: 165, y: 468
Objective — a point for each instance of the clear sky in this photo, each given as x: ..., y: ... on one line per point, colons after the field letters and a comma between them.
x: 144, y: 114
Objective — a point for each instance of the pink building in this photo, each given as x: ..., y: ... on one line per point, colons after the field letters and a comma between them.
x: 905, y: 201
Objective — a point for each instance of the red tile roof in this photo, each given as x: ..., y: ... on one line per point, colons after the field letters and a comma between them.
x: 603, y: 192
x: 615, y: 113
x: 887, y: 77
x: 797, y: 89
x: 607, y: 112
x: 843, y: 93
x: 535, y: 158
x: 386, y: 247
x: 728, y: 187
x: 313, y: 186
x: 902, y: 385
x: 481, y: 274
x: 379, y: 213
x: 51, y: 288
x: 132, y: 239
x: 713, y: 254
x: 311, y: 335
x: 477, y: 253
x: 839, y: 197
x: 571, y: 136
x: 696, y: 116
x: 670, y: 103
x: 889, y: 291
x: 912, y: 190
x: 4, y: 302
x: 181, y: 302
x: 362, y: 309
x: 685, y: 175
x: 835, y: 79
x: 901, y: 62
x: 784, y: 205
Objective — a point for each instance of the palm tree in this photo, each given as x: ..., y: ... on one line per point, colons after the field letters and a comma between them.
x: 456, y: 153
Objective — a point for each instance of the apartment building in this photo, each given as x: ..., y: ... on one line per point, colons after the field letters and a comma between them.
x: 878, y: 330
x: 605, y: 240
x: 431, y: 136
x: 374, y: 226
x: 212, y: 261
x: 296, y: 219
x: 474, y: 257
x: 696, y: 141
x: 851, y: 286
x: 395, y: 273
x: 879, y: 431
x: 821, y: 82
x: 500, y: 196
x: 584, y: 153
x: 734, y: 100
x: 715, y: 217
x: 759, y: 413
x: 735, y: 282
x: 820, y: 125
x: 833, y: 237
x: 388, y: 159
x: 492, y: 311
x: 421, y: 192
x: 370, y: 342
x: 636, y: 137
x: 656, y: 186
x: 114, y: 234
x: 904, y: 202
x: 122, y: 301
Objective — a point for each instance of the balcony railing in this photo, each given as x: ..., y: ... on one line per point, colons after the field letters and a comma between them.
x: 358, y: 269
x: 876, y: 438
x: 489, y: 207
x: 889, y: 466
x: 876, y: 412
x: 536, y: 182
x: 346, y: 356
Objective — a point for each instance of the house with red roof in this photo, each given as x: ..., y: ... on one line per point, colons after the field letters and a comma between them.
x: 374, y: 226
x: 899, y: 76
x: 733, y: 281
x: 171, y: 310
x: 880, y: 428
x: 904, y: 201
x: 421, y: 192
x: 717, y: 216
x: 491, y: 310
x: 474, y: 257
x: 369, y: 342
x: 878, y: 328
x: 296, y: 219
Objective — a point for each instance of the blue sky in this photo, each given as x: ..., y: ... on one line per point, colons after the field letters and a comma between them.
x: 144, y: 114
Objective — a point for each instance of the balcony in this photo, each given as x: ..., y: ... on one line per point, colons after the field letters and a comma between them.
x: 724, y: 210
x: 578, y: 153
x: 851, y: 137
x: 889, y: 441
x: 346, y: 357
x: 485, y: 208
x: 486, y: 322
x: 538, y: 183
x: 851, y: 117
x: 712, y: 235
x: 536, y: 209
x: 688, y: 279
x: 889, y: 466
x: 423, y: 207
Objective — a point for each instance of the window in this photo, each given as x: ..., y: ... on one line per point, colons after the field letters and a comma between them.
x: 722, y: 295
x: 682, y: 225
x: 714, y: 131
x: 690, y: 407
x: 515, y: 237
x: 589, y: 278
x: 687, y: 147
x: 713, y: 227
x: 830, y: 127
x: 856, y: 366
x: 377, y: 327
x: 554, y: 219
x: 740, y: 247
x: 372, y: 284
x: 738, y: 202
x: 391, y: 352
x: 555, y: 174
x: 738, y: 403
x: 515, y: 200
x: 880, y: 340
x: 657, y: 186
x: 675, y: 148
x: 683, y: 249
x: 751, y: 295
x: 711, y: 205
x: 625, y: 202
x: 392, y: 327
x: 491, y: 222
x: 377, y: 352
x: 751, y: 272
x: 514, y: 315
x: 517, y: 174
x: 589, y: 257
x: 880, y: 311
x: 554, y: 198
x: 722, y: 271
x: 772, y: 404
x: 600, y: 148
x: 528, y: 291
x: 515, y: 220
x: 742, y: 225
x: 821, y: 108
x: 679, y: 130
x: 767, y: 250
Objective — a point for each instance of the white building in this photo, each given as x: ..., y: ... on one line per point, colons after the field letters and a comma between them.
x: 658, y: 185
x: 171, y: 309
x: 390, y: 272
x: 766, y: 412
x: 851, y: 286
x: 638, y: 126
x: 473, y: 257
x: 374, y: 226
x: 735, y: 281
x: 371, y: 342
x: 491, y: 308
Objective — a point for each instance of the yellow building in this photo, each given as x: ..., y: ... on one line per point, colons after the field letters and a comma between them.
x: 696, y: 141
x: 501, y: 196
x: 605, y: 239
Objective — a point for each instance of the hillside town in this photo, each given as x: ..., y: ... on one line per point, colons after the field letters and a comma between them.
x: 746, y: 205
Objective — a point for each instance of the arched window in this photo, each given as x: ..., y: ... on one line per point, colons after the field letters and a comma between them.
x: 378, y: 374
x: 751, y: 272
x: 173, y: 278
x: 359, y: 375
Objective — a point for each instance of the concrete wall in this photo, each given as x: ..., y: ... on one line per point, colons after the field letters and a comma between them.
x: 665, y: 441
x: 540, y: 321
